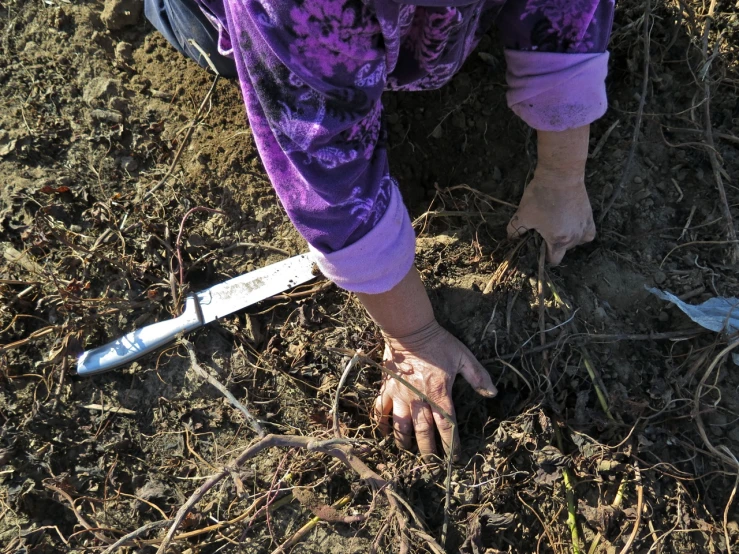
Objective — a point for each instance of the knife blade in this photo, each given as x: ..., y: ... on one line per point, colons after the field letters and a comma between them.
x: 201, y: 308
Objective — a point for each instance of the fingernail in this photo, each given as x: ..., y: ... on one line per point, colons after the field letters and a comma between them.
x: 487, y: 393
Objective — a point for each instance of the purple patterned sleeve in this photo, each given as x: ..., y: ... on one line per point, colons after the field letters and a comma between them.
x: 312, y: 75
x: 557, y: 60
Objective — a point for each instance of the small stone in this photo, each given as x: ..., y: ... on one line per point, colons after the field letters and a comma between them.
x: 124, y: 52
x: 459, y: 120
x: 659, y: 277
x: 118, y: 104
x: 437, y: 132
x: 642, y: 195
x: 129, y: 164
x: 60, y: 19
x: 108, y: 116
x: 638, y: 180
x: 600, y: 313
x: 664, y: 317
x: 118, y: 14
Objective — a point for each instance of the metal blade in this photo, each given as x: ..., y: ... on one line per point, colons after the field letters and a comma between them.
x: 245, y: 290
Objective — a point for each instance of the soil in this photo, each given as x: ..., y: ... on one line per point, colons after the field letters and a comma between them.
x: 600, y: 423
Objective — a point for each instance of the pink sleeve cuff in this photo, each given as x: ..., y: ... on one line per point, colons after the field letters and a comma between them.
x: 380, y: 259
x: 553, y: 91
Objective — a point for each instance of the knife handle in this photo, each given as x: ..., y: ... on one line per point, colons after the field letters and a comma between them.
x: 139, y: 342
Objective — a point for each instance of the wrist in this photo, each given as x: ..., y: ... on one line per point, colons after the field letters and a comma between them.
x: 559, y: 179
x: 563, y: 154
x: 415, y: 339
x: 403, y: 310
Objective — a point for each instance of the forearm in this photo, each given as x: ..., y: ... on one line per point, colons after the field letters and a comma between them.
x: 563, y: 154
x: 402, y: 310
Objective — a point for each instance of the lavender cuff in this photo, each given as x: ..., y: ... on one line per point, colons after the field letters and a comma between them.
x: 380, y: 259
x: 553, y: 91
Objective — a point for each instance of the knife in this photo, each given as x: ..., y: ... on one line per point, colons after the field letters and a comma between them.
x: 200, y: 308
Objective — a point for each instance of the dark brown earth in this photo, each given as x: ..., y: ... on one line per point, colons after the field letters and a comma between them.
x: 94, y: 106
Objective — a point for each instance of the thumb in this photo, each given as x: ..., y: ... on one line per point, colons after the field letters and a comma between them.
x: 589, y: 234
x: 555, y: 252
x: 477, y: 376
x: 516, y: 226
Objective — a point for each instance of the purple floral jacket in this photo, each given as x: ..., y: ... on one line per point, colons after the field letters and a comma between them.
x: 313, y: 72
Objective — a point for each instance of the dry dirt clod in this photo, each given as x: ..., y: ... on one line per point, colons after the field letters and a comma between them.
x: 100, y: 89
x: 124, y: 52
x: 118, y: 14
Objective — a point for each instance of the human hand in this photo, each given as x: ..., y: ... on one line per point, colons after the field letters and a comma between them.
x: 429, y: 359
x: 558, y: 208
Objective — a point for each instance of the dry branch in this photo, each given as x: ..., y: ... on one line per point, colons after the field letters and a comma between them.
x: 333, y: 447
x: 639, y: 509
x: 205, y: 374
x: 342, y: 381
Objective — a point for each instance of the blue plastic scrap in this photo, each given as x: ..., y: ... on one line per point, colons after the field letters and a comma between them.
x: 720, y: 315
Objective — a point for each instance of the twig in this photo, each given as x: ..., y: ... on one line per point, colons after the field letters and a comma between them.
x: 639, y: 113
x: 588, y: 338
x: 127, y: 539
x: 514, y: 369
x: 307, y: 528
x: 503, y: 267
x: 727, y: 537
x: 342, y: 381
x: 339, y: 451
x: 710, y: 145
x: 615, y: 504
x: 183, y: 143
x: 731, y: 461
x: 477, y: 193
x: 542, y: 308
x: 571, y: 510
x: 548, y: 533
x: 203, y: 373
x: 734, y: 242
x: 205, y: 55
x: 33, y: 336
x: 431, y: 542
x: 244, y: 244
x: 639, y: 508
x: 197, y: 532
x: 448, y: 485
x: 178, y: 244
x: 49, y: 484
x: 450, y: 213
x: 595, y: 377
x: 569, y: 483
